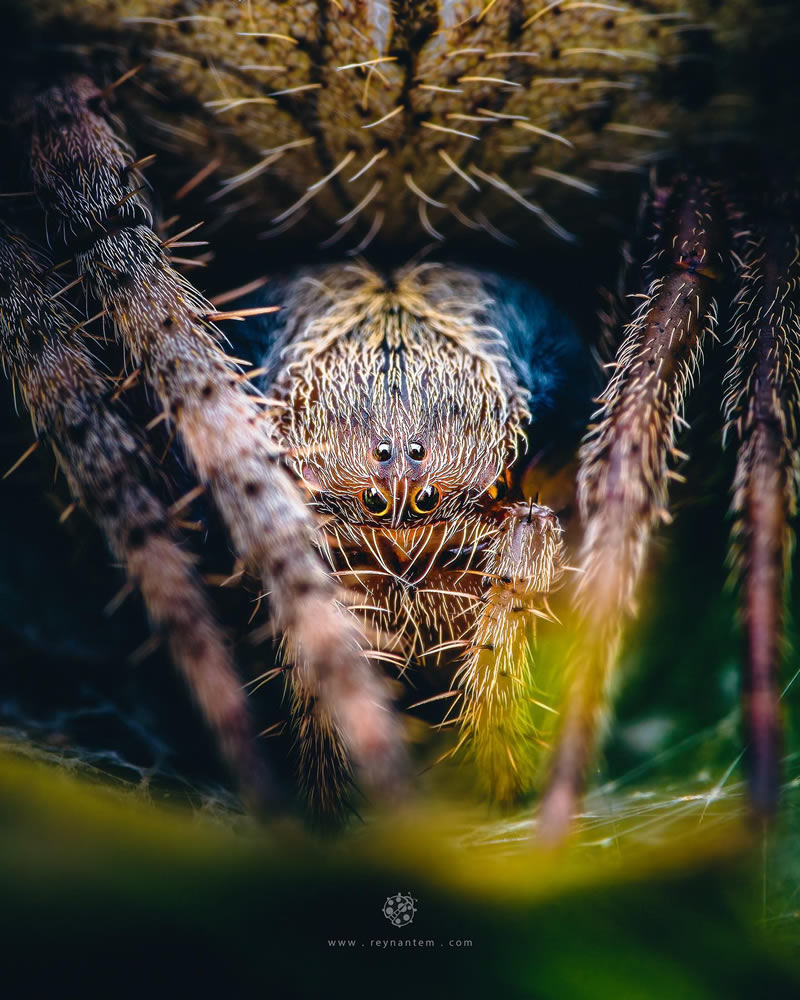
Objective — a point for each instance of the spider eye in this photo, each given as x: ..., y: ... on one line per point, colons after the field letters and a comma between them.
x: 383, y: 451
x: 374, y: 501
x: 425, y: 500
x: 416, y: 451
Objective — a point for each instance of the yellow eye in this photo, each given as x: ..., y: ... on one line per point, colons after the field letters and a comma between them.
x: 374, y: 501
x: 425, y: 500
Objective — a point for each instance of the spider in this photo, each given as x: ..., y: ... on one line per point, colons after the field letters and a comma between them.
x: 374, y: 471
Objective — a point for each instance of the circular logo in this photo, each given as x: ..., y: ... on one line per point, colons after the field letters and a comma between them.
x: 399, y: 909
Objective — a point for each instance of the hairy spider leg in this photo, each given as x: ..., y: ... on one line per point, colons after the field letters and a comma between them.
x: 761, y: 409
x: 103, y: 457
x: 622, y: 484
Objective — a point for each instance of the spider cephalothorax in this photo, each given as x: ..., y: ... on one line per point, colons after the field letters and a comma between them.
x: 393, y: 388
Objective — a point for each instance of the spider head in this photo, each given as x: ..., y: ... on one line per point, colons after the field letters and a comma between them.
x: 404, y: 401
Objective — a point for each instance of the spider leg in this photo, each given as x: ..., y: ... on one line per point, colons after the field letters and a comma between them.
x: 83, y: 176
x: 761, y: 408
x: 107, y: 468
x: 622, y: 484
x: 495, y: 676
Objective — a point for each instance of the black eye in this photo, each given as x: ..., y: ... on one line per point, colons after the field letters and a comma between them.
x: 374, y: 501
x: 416, y: 451
x: 383, y: 451
x: 425, y: 500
